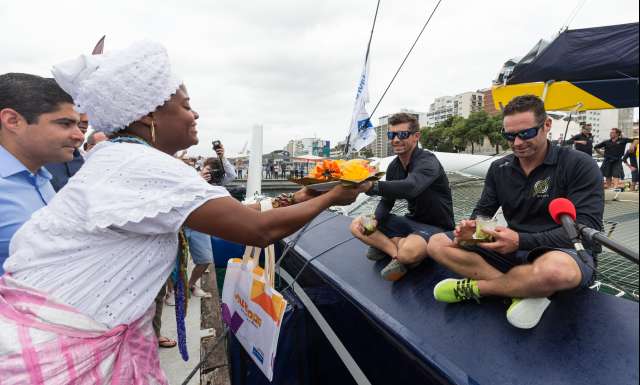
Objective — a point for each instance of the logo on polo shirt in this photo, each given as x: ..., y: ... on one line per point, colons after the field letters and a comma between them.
x: 541, y: 188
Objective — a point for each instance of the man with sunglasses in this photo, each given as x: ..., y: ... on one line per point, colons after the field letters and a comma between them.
x: 417, y: 176
x: 532, y: 258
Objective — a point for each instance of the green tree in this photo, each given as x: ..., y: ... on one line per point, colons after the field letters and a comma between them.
x: 366, y: 152
x: 476, y: 128
x: 494, y: 133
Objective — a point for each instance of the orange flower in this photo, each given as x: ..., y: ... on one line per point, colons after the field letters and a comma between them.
x: 327, y: 169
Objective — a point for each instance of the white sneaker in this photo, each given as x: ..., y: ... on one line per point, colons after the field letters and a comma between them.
x: 196, y: 291
x: 525, y: 313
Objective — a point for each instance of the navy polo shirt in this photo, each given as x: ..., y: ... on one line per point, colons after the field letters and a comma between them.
x: 566, y: 173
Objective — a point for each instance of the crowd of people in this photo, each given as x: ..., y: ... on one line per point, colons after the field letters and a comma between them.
x: 615, y: 151
x: 95, y: 234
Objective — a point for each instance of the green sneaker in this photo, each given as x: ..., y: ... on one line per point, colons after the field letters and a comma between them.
x: 525, y: 313
x: 452, y: 290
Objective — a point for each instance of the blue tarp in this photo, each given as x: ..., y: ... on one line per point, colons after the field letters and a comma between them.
x: 600, y: 53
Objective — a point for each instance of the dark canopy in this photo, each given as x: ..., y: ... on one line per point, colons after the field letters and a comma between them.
x: 600, y: 53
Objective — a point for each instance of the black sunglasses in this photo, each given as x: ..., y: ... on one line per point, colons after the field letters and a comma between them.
x: 526, y: 134
x: 402, y: 135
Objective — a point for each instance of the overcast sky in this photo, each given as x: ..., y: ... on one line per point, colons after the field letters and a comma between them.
x: 293, y: 66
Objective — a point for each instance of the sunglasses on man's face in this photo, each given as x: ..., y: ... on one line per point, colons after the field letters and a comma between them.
x: 526, y: 134
x: 402, y: 135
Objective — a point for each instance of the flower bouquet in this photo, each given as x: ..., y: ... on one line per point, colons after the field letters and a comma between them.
x: 329, y: 173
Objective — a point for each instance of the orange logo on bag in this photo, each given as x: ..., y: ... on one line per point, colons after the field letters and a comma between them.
x: 253, y: 317
x: 274, y: 305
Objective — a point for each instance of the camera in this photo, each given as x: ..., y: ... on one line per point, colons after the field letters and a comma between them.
x: 217, y: 172
x: 216, y: 144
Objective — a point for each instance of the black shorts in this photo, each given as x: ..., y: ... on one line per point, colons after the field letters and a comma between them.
x: 634, y: 176
x: 505, y: 262
x: 612, y: 169
x: 400, y: 226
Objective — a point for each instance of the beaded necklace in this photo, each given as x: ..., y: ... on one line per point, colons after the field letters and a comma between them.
x: 179, y: 275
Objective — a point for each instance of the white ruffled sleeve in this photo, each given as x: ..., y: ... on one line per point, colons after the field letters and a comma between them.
x: 148, y: 193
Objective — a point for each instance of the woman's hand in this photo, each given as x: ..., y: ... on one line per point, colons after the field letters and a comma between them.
x: 304, y: 194
x: 342, y: 196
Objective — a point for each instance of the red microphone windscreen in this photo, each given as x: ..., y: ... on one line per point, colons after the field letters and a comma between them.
x: 561, y: 206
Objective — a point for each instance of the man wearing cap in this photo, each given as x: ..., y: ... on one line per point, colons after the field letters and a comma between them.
x: 37, y: 125
x: 583, y: 141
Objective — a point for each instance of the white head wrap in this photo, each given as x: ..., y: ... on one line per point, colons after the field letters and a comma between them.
x: 117, y: 88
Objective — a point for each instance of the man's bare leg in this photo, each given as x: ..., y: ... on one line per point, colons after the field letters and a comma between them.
x: 466, y: 263
x: 615, y: 182
x: 197, y: 272
x: 412, y: 249
x: 551, y: 272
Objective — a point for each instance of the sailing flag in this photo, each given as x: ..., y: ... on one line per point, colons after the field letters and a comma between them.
x: 361, y: 131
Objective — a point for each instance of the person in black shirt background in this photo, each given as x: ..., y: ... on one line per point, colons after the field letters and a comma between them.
x: 631, y: 156
x: 583, y: 141
x: 533, y: 257
x: 613, y: 152
x: 417, y: 176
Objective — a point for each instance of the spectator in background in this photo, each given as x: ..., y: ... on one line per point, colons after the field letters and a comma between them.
x: 630, y: 158
x: 613, y: 151
x: 218, y: 173
x: 37, y: 125
x: 94, y: 138
x: 61, y: 172
x: 583, y: 141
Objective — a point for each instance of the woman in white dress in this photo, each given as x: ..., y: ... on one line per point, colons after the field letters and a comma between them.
x: 77, y: 298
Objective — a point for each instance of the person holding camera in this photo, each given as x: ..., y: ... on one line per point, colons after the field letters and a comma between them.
x: 218, y: 171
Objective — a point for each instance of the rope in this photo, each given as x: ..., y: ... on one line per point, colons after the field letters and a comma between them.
x: 405, y: 59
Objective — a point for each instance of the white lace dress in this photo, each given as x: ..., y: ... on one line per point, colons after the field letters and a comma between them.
x: 108, y: 240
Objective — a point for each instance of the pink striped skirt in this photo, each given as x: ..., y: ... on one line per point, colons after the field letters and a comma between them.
x: 46, y: 342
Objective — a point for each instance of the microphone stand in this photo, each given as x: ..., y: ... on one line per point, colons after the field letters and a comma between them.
x: 596, y: 236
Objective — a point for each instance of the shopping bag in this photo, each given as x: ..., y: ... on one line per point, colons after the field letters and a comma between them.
x: 252, y: 308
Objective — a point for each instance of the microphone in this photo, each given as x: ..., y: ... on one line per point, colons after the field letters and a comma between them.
x: 564, y: 212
